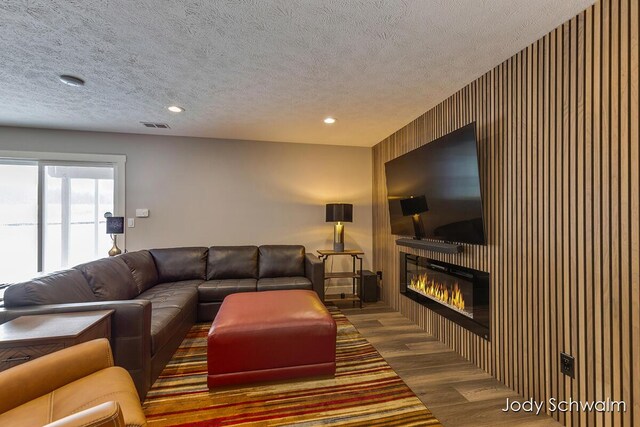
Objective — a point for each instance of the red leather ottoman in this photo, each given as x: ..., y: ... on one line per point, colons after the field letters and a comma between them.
x: 271, y: 335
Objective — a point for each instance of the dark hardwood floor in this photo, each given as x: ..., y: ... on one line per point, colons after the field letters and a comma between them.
x: 458, y: 393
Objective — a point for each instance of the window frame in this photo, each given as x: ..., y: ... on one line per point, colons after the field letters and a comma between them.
x: 43, y: 159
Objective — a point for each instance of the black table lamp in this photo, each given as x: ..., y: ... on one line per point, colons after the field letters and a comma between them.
x: 339, y: 213
x: 115, y: 226
x: 414, y: 206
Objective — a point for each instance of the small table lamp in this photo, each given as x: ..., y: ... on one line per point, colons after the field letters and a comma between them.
x: 115, y: 226
x: 338, y: 213
x: 414, y: 206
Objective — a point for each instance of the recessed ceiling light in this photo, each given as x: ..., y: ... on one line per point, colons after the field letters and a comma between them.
x: 71, y: 80
x: 329, y: 120
x: 175, y: 109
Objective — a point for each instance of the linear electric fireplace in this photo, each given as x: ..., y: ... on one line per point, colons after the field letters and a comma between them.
x: 457, y: 293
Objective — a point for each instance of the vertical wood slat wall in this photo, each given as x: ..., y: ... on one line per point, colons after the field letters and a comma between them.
x: 558, y: 128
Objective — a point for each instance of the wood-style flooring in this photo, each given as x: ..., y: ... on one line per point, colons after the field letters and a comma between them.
x: 458, y: 393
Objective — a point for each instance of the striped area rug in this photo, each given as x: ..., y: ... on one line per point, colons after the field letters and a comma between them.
x: 364, y: 392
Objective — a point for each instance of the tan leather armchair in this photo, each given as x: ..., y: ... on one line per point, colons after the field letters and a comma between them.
x: 77, y: 386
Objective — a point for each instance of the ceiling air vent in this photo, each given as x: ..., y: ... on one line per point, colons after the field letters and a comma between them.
x: 156, y: 125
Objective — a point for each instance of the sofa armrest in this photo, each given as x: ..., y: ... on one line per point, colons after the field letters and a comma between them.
x: 52, y: 371
x: 107, y: 414
x: 314, y: 271
x: 130, y: 332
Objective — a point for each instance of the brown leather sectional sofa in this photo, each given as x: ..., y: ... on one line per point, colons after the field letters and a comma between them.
x: 159, y: 294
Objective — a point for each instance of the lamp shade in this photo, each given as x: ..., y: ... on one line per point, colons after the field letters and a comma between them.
x: 339, y: 212
x: 115, y: 225
x: 414, y: 205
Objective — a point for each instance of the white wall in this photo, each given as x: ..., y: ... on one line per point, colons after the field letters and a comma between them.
x: 226, y: 192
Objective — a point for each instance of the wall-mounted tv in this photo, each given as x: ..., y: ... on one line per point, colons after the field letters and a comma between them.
x: 434, y: 190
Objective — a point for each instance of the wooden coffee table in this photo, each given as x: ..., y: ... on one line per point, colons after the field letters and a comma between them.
x: 29, y: 337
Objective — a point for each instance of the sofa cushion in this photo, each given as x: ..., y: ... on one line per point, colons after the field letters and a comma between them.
x: 164, y: 322
x: 283, y: 283
x: 232, y: 262
x: 62, y: 287
x: 281, y: 260
x: 110, y: 279
x: 176, y: 264
x: 216, y: 290
x: 170, y: 303
x: 142, y: 267
x: 106, y: 385
x: 172, y: 294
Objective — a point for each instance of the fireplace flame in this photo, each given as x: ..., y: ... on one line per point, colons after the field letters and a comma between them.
x: 449, y: 295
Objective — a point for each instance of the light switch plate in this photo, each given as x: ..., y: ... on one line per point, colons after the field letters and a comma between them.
x: 142, y: 213
x: 131, y: 222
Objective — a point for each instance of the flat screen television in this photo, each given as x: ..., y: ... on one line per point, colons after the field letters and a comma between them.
x: 439, y: 185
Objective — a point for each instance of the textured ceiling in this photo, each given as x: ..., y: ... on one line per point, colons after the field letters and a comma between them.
x: 256, y: 69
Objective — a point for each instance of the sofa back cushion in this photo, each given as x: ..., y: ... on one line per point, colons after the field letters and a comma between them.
x: 176, y: 264
x: 67, y: 286
x: 232, y: 262
x: 143, y: 269
x: 281, y: 260
x: 109, y: 279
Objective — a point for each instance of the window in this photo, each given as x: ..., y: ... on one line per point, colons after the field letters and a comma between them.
x: 52, y: 210
x: 18, y: 220
x: 75, y: 199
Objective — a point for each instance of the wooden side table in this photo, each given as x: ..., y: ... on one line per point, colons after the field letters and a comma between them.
x: 355, y: 275
x: 29, y: 337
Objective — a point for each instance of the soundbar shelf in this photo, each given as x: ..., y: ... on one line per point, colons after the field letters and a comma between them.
x: 430, y: 245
